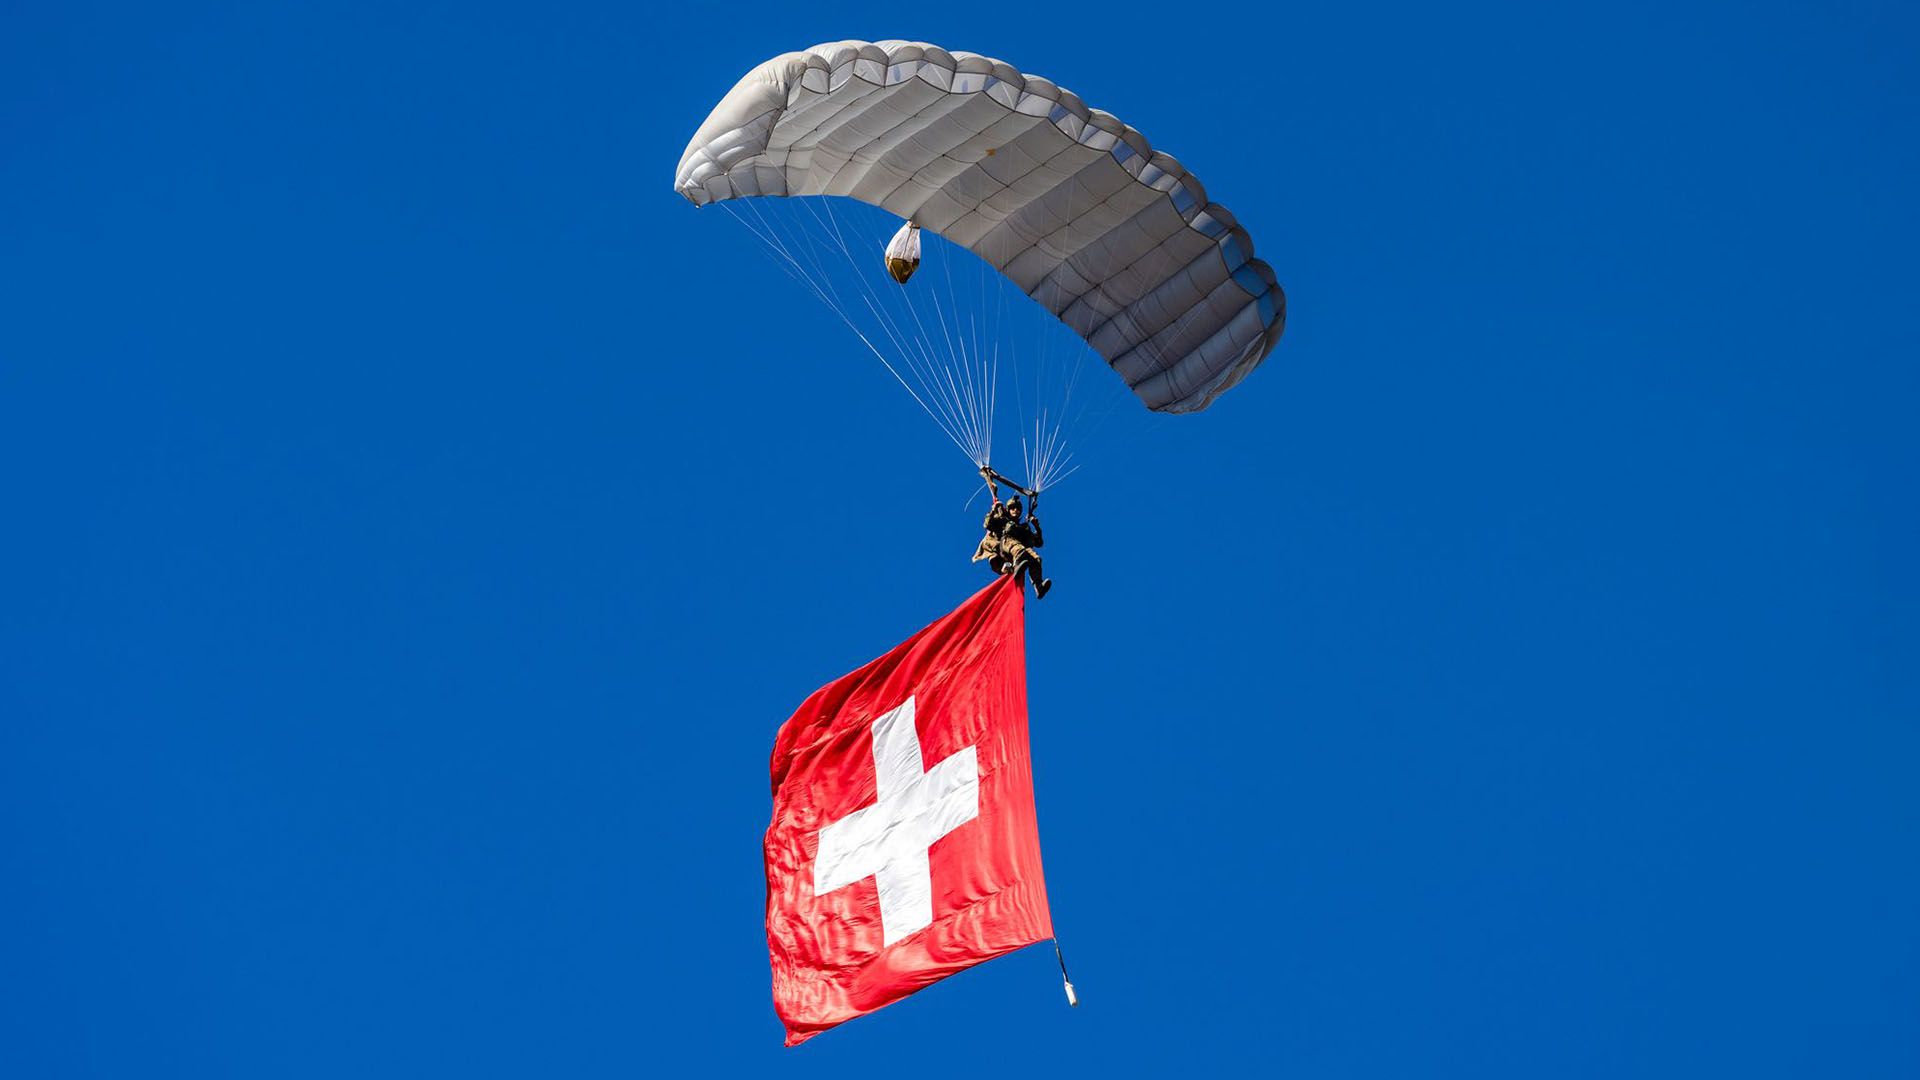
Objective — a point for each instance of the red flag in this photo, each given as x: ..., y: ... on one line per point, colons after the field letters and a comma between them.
x: 903, y: 846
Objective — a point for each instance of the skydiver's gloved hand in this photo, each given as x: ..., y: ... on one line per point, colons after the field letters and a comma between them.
x: 993, y: 486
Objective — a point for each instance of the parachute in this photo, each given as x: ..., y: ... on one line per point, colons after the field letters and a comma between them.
x: 1074, y: 208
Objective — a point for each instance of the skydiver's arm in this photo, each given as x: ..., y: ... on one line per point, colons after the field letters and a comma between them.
x: 992, y: 478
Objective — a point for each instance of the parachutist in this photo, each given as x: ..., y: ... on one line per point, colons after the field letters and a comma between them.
x: 1013, y: 534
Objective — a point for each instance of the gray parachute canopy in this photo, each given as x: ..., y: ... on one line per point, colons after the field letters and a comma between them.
x: 1069, y: 203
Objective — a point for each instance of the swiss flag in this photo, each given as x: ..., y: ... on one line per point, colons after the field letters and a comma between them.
x: 903, y: 846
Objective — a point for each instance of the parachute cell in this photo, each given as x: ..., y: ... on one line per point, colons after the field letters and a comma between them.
x: 1073, y: 206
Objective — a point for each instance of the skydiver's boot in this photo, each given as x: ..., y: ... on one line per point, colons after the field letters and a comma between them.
x: 1030, y: 565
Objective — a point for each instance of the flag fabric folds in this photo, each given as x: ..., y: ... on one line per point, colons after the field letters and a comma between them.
x: 904, y: 846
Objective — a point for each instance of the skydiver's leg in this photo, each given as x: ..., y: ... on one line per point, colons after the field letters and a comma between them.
x: 993, y: 550
x: 1041, y: 582
x: 1027, y: 561
x: 1019, y: 557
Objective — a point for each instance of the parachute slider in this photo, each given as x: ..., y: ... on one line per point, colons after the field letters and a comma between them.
x: 903, y: 252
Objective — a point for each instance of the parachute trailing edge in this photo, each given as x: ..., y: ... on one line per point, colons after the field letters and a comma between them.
x: 1116, y: 239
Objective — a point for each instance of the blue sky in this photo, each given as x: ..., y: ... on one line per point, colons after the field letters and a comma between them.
x: 421, y: 520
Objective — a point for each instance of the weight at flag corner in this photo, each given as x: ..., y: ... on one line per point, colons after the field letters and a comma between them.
x: 904, y: 846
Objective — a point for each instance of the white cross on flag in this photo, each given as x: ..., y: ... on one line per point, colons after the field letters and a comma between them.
x: 903, y: 846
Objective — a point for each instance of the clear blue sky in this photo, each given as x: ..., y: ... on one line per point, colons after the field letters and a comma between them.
x: 419, y: 523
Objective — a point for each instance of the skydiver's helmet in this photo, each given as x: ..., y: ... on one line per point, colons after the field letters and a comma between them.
x: 1012, y: 507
